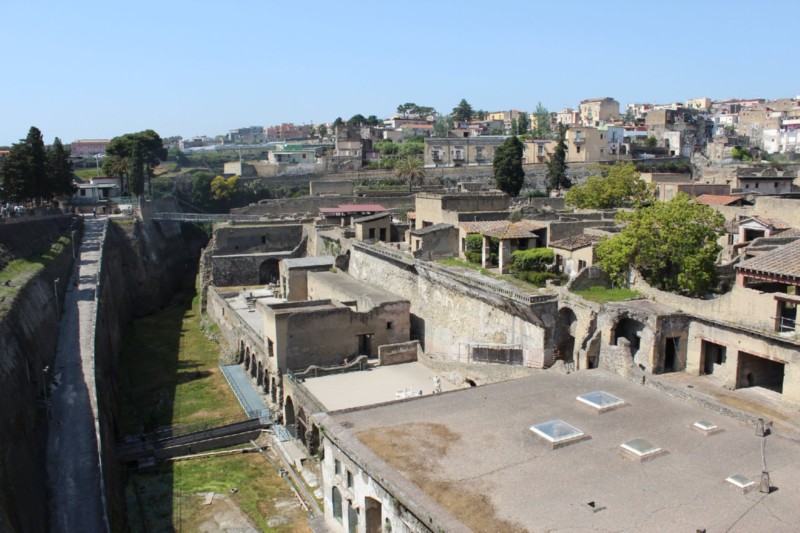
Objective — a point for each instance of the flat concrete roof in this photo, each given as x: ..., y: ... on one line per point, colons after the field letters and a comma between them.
x: 312, y: 261
x: 378, y: 384
x: 356, y: 289
x: 477, y: 443
x: 253, y: 318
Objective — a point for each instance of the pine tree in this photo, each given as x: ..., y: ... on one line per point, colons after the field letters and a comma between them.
x: 557, y: 167
x: 59, y: 169
x: 508, y: 172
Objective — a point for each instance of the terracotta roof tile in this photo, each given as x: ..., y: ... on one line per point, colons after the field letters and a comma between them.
x: 575, y: 242
x: 718, y: 199
x: 783, y: 261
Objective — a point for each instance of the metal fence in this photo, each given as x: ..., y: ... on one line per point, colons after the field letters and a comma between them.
x: 505, y: 354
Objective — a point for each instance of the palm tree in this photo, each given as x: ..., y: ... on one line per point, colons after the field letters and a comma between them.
x: 410, y: 169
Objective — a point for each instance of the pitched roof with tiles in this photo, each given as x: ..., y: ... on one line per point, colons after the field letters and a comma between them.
x: 783, y: 261
x: 575, y: 242
x: 515, y: 230
x: 718, y: 199
x: 483, y: 226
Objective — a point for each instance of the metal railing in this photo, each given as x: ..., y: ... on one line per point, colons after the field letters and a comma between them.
x: 203, y: 217
x: 506, y: 292
x: 785, y: 324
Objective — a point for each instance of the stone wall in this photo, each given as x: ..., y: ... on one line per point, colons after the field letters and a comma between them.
x: 21, y: 236
x: 398, y: 353
x: 447, y: 316
x: 250, y: 269
x: 311, y: 204
x: 249, y: 239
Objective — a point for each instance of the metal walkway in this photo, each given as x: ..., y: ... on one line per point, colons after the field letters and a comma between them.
x: 251, y: 402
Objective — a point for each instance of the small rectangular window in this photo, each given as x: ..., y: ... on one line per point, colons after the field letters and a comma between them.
x: 349, y: 480
x: 390, y: 325
x: 337, y: 467
x: 578, y: 149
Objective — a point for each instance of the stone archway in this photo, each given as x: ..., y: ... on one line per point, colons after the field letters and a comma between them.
x: 273, y: 391
x: 260, y: 374
x: 253, y: 366
x: 374, y: 520
x: 240, y: 360
x: 265, y: 381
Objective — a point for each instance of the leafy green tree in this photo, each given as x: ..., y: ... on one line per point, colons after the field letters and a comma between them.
x: 557, y: 166
x: 508, y: 172
x: 651, y: 142
x: 143, y: 151
x: 356, y: 120
x: 741, y: 154
x: 338, y: 122
x: 442, y: 126
x: 222, y: 188
x: 463, y: 111
x: 322, y: 129
x: 410, y: 169
x: 414, y: 146
x: 542, y: 127
x: 372, y: 120
x: 481, y: 114
x: 673, y: 244
x: 609, y: 187
x: 406, y: 109
x: 59, y: 169
x: 24, y: 170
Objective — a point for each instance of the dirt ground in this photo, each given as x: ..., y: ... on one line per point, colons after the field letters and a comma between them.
x: 414, y: 450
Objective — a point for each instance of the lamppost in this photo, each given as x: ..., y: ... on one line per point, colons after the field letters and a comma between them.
x: 45, y: 371
x: 55, y: 292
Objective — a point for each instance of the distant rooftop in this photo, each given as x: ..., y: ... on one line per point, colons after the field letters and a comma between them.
x: 575, y: 242
x: 353, y: 208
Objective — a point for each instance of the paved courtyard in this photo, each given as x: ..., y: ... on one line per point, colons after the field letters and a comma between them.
x: 377, y: 385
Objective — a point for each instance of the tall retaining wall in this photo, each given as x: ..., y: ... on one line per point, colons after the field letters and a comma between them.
x: 448, y: 316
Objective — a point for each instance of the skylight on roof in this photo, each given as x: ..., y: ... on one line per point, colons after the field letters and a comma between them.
x: 558, y: 432
x: 742, y: 482
x: 706, y: 428
x: 601, y: 401
x: 641, y: 449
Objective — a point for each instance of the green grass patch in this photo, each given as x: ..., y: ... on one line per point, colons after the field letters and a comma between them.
x: 85, y: 174
x: 455, y: 262
x: 19, y: 271
x: 261, y: 493
x: 170, y: 373
x: 603, y: 295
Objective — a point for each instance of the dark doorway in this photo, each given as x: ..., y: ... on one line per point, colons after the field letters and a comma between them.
x: 755, y: 371
x: 288, y: 412
x: 383, y: 234
x: 365, y: 345
x: 268, y: 272
x: 713, y: 355
x: 352, y: 518
x: 565, y: 334
x: 787, y: 317
x: 671, y: 354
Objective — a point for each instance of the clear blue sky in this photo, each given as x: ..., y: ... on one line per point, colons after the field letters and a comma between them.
x: 91, y: 69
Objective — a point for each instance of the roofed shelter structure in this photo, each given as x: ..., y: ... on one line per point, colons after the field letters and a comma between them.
x: 778, y: 272
x: 344, y: 214
x: 512, y: 236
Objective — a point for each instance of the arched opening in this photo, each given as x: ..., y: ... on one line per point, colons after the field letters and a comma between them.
x: 265, y: 384
x: 374, y: 520
x: 260, y: 374
x: 288, y: 412
x: 273, y: 391
x: 565, y: 334
x: 241, y: 353
x: 470, y: 382
x: 246, y: 361
x: 268, y: 272
x: 630, y: 329
x: 301, y: 426
x: 253, y: 366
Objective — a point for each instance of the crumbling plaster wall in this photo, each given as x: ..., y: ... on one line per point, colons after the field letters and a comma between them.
x: 447, y: 315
